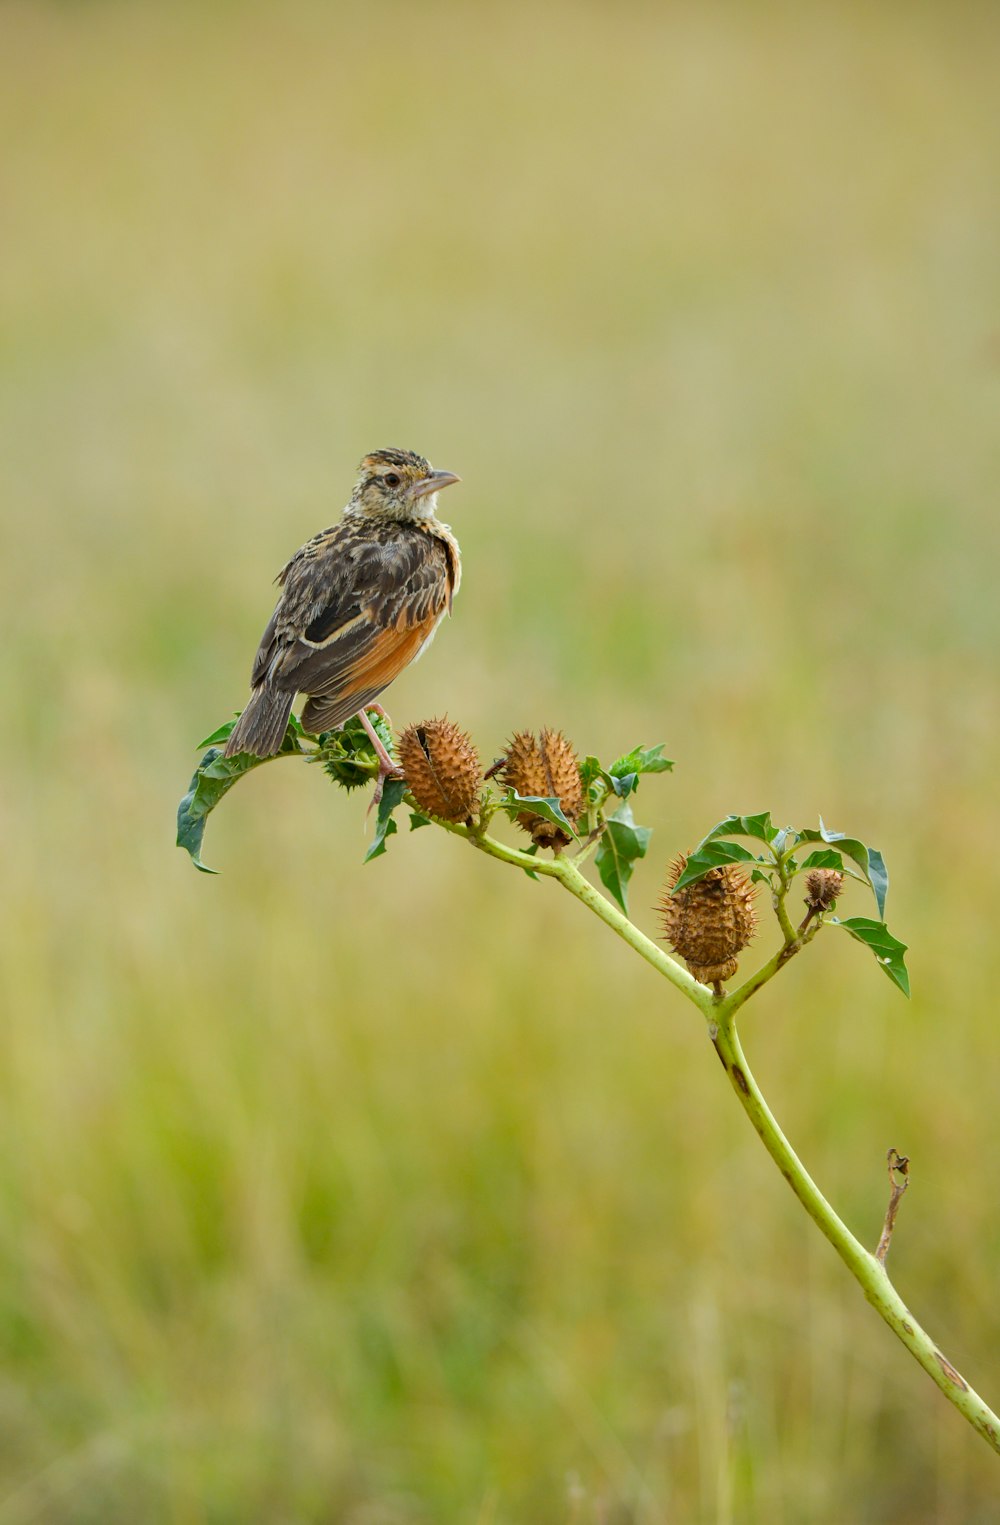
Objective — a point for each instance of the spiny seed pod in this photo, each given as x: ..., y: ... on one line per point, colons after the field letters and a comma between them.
x: 710, y: 922
x: 823, y: 885
x: 442, y: 769
x: 544, y: 765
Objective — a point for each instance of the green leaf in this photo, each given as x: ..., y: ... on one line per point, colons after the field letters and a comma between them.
x: 624, y: 773
x: 826, y: 858
x: 878, y: 878
x: 711, y: 855
x: 514, y: 804
x: 224, y: 731
x: 622, y: 777
x: 385, y: 826
x: 418, y: 819
x: 214, y: 776
x: 642, y: 760
x: 591, y: 770
x: 868, y: 859
x: 758, y: 826
x: 221, y: 734
x: 888, y: 950
x: 622, y: 842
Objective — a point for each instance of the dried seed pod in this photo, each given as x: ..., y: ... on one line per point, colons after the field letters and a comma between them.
x: 823, y: 885
x: 442, y: 769
x: 710, y: 922
x: 544, y: 765
x: 524, y: 769
x: 563, y: 771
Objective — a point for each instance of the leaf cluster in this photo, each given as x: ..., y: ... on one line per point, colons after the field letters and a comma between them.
x: 780, y: 854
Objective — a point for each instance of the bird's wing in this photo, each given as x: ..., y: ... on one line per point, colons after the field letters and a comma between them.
x: 355, y: 612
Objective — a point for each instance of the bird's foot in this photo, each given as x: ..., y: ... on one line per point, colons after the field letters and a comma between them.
x: 387, y: 766
x: 383, y: 774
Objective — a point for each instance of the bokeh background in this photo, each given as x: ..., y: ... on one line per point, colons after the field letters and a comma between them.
x: 404, y: 1193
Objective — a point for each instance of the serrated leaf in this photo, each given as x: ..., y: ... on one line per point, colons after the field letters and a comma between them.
x: 514, y: 804
x: 214, y: 776
x: 888, y: 950
x: 868, y: 859
x: 757, y: 877
x: 531, y: 852
x: 758, y: 826
x: 418, y: 819
x: 392, y: 795
x: 711, y: 855
x: 622, y: 842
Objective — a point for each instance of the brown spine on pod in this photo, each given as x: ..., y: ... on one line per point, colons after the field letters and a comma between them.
x: 544, y: 765
x: 442, y: 769
x: 710, y: 922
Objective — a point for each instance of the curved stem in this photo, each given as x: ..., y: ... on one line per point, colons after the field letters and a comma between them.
x: 780, y: 909
x: 864, y: 1267
x: 867, y: 1270
x: 570, y: 876
x: 566, y: 871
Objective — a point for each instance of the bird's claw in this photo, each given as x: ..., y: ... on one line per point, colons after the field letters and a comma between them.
x: 383, y: 774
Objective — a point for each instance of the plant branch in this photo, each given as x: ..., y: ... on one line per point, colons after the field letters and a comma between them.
x: 867, y: 1269
x: 568, y: 873
x: 780, y: 909
x: 720, y: 1011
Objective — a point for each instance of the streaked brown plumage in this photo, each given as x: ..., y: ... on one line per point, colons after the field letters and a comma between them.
x: 359, y: 601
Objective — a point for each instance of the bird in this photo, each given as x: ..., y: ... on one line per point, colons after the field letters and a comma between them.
x: 359, y: 602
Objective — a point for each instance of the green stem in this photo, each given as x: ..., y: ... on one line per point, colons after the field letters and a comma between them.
x: 868, y: 1271
x: 864, y: 1267
x: 568, y: 873
x: 780, y: 910
x: 547, y: 868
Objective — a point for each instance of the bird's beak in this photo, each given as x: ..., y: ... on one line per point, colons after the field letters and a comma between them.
x: 436, y: 480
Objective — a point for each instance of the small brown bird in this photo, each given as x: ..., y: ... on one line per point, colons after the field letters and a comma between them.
x: 359, y: 602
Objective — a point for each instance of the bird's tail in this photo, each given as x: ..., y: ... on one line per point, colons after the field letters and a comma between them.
x: 262, y: 725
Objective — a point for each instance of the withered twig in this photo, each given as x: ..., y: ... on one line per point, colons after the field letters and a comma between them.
x: 899, y: 1180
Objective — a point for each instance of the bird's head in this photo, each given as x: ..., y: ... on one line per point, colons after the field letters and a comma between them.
x: 399, y: 484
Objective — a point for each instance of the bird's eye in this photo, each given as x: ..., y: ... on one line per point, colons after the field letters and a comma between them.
x: 391, y: 479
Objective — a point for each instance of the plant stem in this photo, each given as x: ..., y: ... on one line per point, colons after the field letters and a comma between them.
x: 566, y: 871
x: 864, y: 1267
x: 780, y: 909
x: 570, y: 876
x: 867, y: 1270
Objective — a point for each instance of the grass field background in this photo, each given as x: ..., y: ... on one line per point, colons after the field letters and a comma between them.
x: 403, y: 1193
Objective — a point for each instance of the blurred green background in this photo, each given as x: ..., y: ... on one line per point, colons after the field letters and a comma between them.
x: 404, y: 1193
